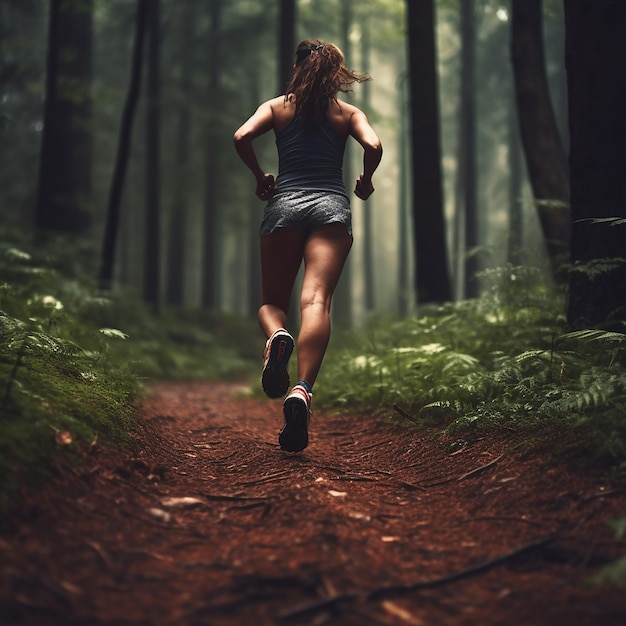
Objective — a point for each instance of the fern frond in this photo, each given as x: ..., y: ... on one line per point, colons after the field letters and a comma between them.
x: 597, y: 267
x: 594, y: 335
x: 611, y: 221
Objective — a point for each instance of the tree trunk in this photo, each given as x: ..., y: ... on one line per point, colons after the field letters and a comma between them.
x: 595, y: 47
x: 545, y: 159
x: 64, y: 189
x: 516, y: 222
x: 432, y: 283
x: 286, y: 49
x: 405, y: 301
x: 211, y: 283
x: 175, y: 282
x: 369, y: 278
x: 467, y: 159
x: 107, y: 262
x: 153, y: 159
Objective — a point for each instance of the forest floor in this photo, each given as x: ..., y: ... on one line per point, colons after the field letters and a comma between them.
x: 207, y: 522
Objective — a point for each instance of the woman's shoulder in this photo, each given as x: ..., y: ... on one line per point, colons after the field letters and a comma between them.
x: 283, y: 110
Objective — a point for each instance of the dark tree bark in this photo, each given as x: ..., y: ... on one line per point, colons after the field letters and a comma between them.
x: 467, y: 158
x: 432, y: 283
x: 595, y: 49
x: 545, y: 159
x: 368, y: 236
x: 516, y: 223
x: 405, y: 301
x: 211, y: 252
x: 107, y: 263
x: 64, y: 188
x: 175, y: 273
x: 152, y: 260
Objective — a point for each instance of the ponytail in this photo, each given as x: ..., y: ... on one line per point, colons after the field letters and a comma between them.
x: 319, y: 74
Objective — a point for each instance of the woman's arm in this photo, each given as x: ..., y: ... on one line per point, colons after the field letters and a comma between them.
x: 362, y: 131
x: 259, y: 123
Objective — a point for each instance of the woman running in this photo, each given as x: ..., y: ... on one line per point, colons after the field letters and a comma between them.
x: 307, y: 217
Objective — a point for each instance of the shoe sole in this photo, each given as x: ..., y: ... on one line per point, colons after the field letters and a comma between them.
x: 275, y: 378
x: 294, y: 437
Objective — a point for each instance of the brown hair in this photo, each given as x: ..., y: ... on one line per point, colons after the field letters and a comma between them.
x: 319, y: 74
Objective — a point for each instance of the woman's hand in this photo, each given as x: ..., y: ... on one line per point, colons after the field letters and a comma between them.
x: 265, y: 187
x: 364, y: 188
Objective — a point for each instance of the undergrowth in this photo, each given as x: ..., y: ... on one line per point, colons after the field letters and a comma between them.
x: 504, y: 360
x: 73, y: 362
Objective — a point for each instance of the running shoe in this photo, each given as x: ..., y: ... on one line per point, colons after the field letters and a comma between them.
x: 294, y: 436
x: 275, y: 378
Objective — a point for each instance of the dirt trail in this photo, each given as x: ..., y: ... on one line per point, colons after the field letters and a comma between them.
x: 211, y: 524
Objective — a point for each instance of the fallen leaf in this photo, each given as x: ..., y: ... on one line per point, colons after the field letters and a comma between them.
x: 361, y: 516
x: 160, y: 514
x: 181, y: 503
x: 397, y: 611
x: 337, y: 494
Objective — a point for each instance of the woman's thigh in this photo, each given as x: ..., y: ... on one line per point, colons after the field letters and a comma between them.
x: 325, y: 253
x: 281, y: 255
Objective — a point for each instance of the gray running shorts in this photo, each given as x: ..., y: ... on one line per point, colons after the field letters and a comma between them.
x: 306, y: 210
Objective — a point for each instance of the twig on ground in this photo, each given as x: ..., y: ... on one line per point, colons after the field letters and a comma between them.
x: 357, y: 478
x: 382, y: 592
x: 268, y: 478
x: 604, y: 494
x: 231, y: 498
x: 466, y: 573
x: 467, y: 474
x: 404, y: 414
x: 97, y: 548
x: 317, y: 606
x: 504, y: 518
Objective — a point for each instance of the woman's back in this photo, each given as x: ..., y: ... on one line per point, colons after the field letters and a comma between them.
x: 310, y: 155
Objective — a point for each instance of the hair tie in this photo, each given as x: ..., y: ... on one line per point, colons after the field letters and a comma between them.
x: 318, y: 47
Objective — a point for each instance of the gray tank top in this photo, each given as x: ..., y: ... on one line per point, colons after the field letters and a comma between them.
x: 310, y: 157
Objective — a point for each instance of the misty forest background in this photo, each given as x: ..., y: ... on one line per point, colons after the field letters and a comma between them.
x: 188, y: 220
x: 486, y: 284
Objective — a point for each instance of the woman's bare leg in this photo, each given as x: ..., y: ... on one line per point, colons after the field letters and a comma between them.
x: 325, y: 252
x: 281, y: 255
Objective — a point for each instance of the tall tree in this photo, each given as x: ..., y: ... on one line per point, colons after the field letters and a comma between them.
x: 545, y: 159
x: 107, y: 262
x: 211, y: 247
x: 368, y: 239
x: 467, y: 147
x: 152, y: 262
x: 286, y: 48
x: 595, y: 44
x: 64, y: 189
x: 514, y: 161
x: 178, y: 217
x: 20, y: 111
x: 432, y: 283
x: 404, y: 280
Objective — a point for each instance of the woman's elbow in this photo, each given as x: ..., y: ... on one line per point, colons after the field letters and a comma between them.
x: 238, y: 137
x: 375, y: 147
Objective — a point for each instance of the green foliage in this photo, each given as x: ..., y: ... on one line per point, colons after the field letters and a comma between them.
x: 72, y: 360
x: 504, y: 360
